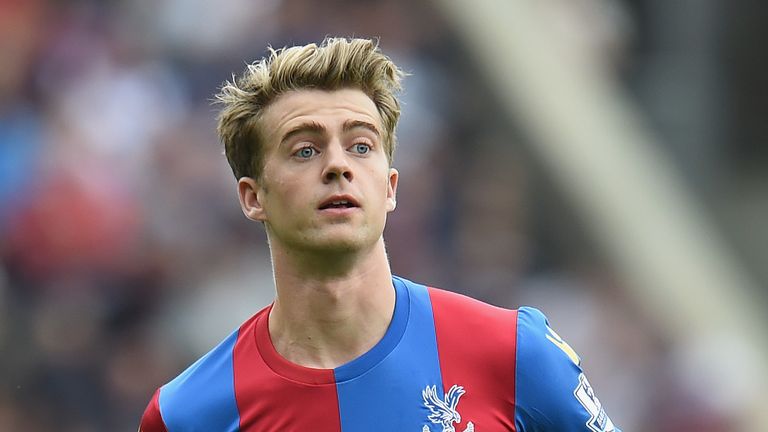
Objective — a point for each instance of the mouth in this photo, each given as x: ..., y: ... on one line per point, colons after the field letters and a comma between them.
x: 339, y: 202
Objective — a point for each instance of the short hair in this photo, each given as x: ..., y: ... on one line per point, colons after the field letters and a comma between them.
x: 335, y: 64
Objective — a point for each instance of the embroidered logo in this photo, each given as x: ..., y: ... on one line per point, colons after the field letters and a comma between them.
x: 563, y: 345
x: 443, y: 411
x: 598, y: 419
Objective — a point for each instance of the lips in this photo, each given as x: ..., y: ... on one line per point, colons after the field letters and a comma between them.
x: 339, y: 201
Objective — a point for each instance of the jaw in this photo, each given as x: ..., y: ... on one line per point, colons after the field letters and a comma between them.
x: 328, y: 231
x: 325, y: 257
x: 321, y: 243
x: 332, y: 238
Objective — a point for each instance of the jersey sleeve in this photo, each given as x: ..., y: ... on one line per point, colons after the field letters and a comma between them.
x: 552, y: 392
x: 152, y: 421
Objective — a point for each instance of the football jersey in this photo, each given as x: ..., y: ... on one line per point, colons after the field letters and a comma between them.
x: 447, y: 363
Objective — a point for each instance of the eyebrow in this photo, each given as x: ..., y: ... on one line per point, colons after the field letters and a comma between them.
x: 353, y: 124
x: 316, y: 128
x: 307, y: 127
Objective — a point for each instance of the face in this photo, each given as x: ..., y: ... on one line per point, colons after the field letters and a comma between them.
x: 326, y: 183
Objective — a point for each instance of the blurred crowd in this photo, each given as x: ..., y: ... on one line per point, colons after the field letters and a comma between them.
x: 123, y: 252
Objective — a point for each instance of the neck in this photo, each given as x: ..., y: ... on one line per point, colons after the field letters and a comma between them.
x: 330, y: 309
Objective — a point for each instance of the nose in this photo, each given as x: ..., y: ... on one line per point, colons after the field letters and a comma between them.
x: 337, y: 164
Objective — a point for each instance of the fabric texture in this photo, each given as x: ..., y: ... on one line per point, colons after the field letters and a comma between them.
x: 447, y: 363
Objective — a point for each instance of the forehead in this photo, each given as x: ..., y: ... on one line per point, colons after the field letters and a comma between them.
x: 331, y: 108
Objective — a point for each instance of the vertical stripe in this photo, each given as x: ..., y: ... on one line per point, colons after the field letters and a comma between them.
x: 274, y: 395
x: 389, y: 395
x: 476, y: 342
x: 202, y: 398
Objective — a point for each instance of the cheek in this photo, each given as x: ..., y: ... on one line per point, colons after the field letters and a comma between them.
x: 278, y: 194
x: 295, y: 195
x: 380, y: 191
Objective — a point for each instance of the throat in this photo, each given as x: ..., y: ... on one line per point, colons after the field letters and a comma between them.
x: 318, y: 329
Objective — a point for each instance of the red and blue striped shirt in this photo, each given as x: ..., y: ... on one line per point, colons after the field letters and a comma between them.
x: 447, y: 363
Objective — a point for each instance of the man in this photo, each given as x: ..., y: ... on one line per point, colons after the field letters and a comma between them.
x: 347, y: 346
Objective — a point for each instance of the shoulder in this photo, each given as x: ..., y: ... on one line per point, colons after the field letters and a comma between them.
x: 468, y: 309
x: 552, y: 392
x: 152, y: 421
x: 481, y: 334
x: 519, y: 348
x: 205, y: 390
x: 466, y: 323
x: 538, y: 341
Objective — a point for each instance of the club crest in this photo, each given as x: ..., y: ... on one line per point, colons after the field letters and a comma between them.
x: 443, y: 410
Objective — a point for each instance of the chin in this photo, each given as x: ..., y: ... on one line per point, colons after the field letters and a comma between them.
x: 339, y: 239
x: 342, y: 242
x: 340, y: 245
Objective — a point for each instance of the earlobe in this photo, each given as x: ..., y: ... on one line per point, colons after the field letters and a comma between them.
x: 392, y: 189
x: 250, y: 200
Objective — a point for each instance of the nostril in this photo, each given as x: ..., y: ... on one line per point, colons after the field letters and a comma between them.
x: 333, y: 174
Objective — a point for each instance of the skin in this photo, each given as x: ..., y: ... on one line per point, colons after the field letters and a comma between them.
x: 334, y: 289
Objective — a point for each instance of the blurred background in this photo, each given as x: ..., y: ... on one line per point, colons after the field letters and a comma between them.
x: 602, y: 160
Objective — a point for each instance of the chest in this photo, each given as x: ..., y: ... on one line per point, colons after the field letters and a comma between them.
x: 403, y: 393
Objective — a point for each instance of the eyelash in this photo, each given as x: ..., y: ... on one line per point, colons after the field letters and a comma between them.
x: 353, y: 146
x: 368, y: 145
x: 297, y: 152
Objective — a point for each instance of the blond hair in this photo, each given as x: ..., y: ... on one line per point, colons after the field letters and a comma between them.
x: 337, y: 63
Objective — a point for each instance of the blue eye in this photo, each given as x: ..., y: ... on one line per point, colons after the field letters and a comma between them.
x: 306, y: 152
x: 362, y: 148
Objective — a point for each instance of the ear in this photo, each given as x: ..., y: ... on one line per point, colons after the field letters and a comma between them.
x: 392, y: 189
x: 251, y: 195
